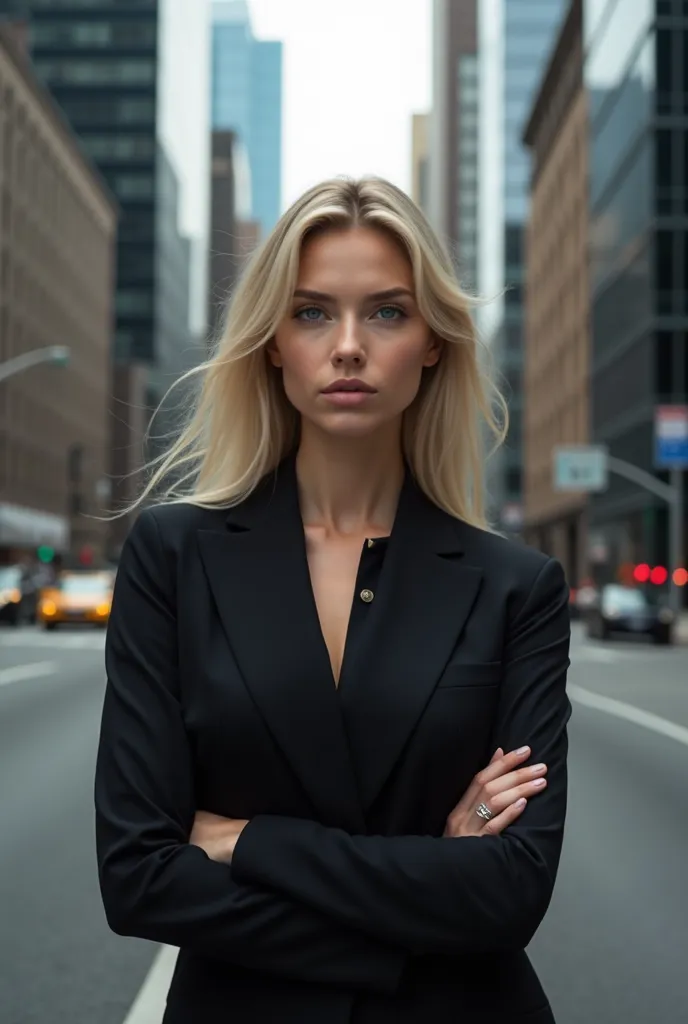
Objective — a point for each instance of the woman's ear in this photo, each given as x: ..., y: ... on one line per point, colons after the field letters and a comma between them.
x: 434, y: 350
x: 273, y: 352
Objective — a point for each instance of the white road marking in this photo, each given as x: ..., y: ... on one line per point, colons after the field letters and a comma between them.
x: 56, y: 641
x: 629, y: 712
x: 149, y: 1005
x: 19, y: 673
x: 597, y: 654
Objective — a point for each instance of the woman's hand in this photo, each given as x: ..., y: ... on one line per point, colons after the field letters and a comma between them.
x: 216, y: 835
x: 504, y: 788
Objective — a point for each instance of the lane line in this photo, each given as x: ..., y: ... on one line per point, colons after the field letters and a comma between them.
x: 629, y: 712
x: 19, y: 673
x: 64, y: 642
x: 595, y: 654
x: 149, y: 1005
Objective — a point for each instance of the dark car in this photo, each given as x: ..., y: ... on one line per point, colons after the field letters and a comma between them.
x: 629, y: 610
x: 18, y: 595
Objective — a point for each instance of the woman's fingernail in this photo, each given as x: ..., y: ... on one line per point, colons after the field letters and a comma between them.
x: 538, y: 768
x: 539, y: 782
x: 523, y: 750
x: 521, y: 803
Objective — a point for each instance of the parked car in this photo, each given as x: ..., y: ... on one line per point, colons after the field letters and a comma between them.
x: 18, y: 595
x: 77, y: 597
x: 581, y: 599
x: 623, y: 609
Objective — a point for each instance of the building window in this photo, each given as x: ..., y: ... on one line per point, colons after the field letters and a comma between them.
x: 513, y: 245
x: 100, y: 72
x: 135, y: 111
x: 514, y: 295
x: 133, y: 186
x: 133, y: 302
x: 663, y: 171
x: 118, y: 147
x: 664, y: 270
x: 136, y: 226
x: 468, y: 68
x: 664, y: 378
x: 86, y: 111
x: 86, y: 4
x: 665, y: 65
x: 94, y: 34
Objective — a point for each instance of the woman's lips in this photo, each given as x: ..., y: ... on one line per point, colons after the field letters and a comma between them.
x: 348, y: 398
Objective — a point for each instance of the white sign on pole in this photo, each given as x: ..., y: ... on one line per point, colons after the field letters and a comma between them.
x: 580, y: 468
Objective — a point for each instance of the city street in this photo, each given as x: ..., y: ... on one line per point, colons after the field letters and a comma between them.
x: 613, y: 947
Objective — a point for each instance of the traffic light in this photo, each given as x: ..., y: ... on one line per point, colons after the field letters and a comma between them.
x: 45, y: 553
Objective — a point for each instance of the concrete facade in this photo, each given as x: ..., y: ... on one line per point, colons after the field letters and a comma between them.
x: 556, y: 334
x: 57, y: 238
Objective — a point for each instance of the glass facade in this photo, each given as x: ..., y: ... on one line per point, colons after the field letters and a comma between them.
x: 635, y: 71
x: 467, y: 165
x: 112, y: 66
x: 247, y: 99
x: 517, y: 38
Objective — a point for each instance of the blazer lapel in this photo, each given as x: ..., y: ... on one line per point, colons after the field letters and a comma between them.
x: 423, y: 600
x: 258, y: 573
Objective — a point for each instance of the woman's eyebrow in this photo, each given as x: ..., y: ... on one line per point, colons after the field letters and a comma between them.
x: 390, y: 293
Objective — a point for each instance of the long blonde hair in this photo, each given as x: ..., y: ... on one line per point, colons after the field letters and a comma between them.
x: 241, y: 424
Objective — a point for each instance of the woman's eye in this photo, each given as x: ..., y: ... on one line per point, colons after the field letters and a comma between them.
x: 391, y: 313
x: 309, y: 314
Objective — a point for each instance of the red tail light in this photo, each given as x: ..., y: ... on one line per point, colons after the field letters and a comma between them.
x: 659, y: 575
x: 641, y: 573
x: 680, y: 577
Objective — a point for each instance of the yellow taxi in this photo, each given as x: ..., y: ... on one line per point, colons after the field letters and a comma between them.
x: 82, y: 597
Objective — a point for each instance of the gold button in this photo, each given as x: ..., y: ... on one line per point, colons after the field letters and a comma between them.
x: 367, y: 596
x: 370, y: 543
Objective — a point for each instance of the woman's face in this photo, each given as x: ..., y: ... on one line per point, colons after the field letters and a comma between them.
x: 353, y: 346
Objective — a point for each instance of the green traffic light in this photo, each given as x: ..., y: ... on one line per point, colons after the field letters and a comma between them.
x: 45, y: 553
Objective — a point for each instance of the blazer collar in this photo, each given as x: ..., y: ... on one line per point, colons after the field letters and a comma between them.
x: 341, y: 745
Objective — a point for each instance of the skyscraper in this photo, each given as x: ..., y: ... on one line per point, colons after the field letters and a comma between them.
x: 636, y: 74
x: 453, y: 135
x: 133, y: 80
x: 247, y: 100
x: 515, y: 41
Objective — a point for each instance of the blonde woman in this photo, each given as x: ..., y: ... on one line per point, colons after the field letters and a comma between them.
x: 332, y: 767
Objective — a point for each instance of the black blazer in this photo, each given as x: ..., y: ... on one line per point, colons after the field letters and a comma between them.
x: 343, y: 902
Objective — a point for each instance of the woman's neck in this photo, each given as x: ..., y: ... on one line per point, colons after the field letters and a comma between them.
x: 349, y: 486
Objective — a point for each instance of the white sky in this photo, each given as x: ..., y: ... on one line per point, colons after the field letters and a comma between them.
x: 354, y: 73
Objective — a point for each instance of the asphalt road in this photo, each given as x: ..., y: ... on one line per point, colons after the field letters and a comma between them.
x: 613, y: 949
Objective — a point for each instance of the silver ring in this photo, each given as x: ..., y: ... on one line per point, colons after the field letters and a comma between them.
x: 483, y: 811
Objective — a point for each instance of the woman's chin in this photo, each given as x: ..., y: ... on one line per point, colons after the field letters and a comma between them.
x: 348, y: 425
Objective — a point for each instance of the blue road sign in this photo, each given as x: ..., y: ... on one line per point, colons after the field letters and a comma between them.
x: 671, y: 437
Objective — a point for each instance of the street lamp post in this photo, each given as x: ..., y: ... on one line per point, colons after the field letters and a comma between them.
x: 58, y: 355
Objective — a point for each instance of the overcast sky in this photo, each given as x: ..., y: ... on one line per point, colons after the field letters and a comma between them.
x: 354, y: 73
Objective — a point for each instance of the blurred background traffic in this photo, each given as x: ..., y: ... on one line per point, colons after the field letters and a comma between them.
x: 146, y: 148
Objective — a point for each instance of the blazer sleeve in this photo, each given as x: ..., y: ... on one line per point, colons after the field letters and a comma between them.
x: 154, y: 884
x: 445, y: 895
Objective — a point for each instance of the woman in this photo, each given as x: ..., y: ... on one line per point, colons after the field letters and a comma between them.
x: 328, y: 681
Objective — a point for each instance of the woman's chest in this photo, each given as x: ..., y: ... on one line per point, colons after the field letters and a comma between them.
x: 270, y: 733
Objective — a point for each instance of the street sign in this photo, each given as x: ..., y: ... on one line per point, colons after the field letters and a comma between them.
x: 580, y: 468
x: 671, y: 437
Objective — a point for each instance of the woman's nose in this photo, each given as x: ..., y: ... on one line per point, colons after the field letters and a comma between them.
x: 348, y: 347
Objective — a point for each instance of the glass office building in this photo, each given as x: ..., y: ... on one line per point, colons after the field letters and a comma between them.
x: 515, y: 41
x: 247, y: 100
x: 115, y: 69
x: 636, y: 72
